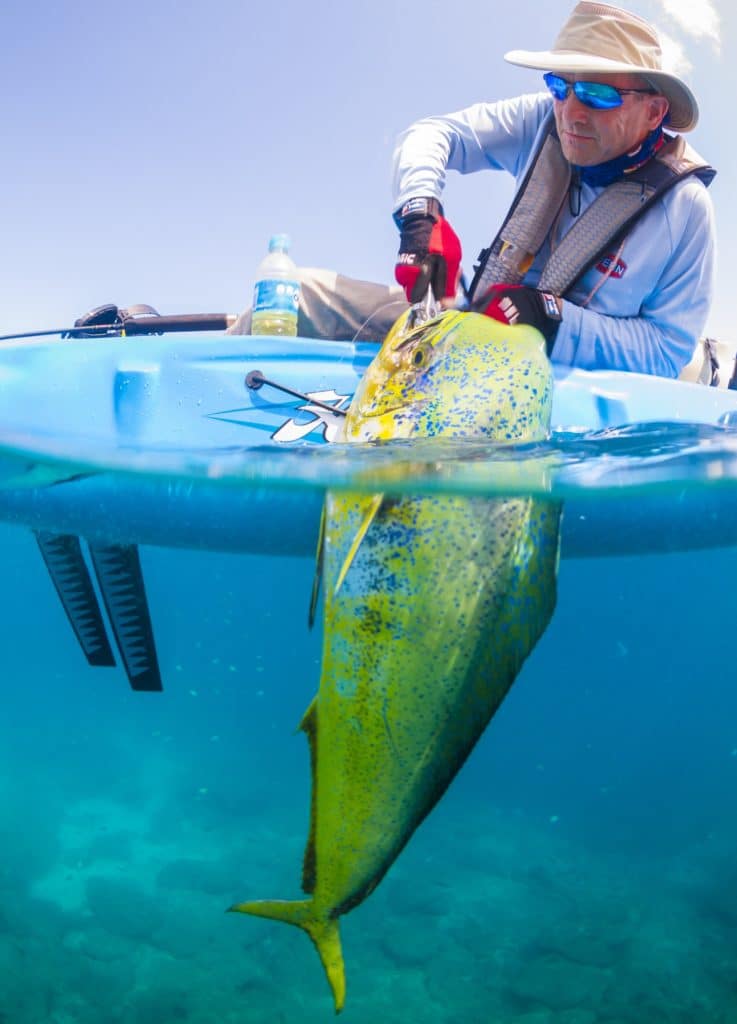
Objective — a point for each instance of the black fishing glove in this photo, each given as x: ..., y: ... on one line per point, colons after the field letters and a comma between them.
x: 521, y: 304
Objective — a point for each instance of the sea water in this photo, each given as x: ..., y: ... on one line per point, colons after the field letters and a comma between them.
x: 581, y: 869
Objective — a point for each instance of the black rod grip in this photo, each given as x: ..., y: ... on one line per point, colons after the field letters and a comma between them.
x: 179, y: 322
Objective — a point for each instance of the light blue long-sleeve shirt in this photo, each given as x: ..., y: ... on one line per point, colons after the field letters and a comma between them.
x: 648, y: 314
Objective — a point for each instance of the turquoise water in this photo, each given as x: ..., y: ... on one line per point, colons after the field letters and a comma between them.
x: 580, y: 870
x: 646, y: 456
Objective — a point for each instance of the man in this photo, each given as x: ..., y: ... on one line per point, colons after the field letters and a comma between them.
x: 608, y: 248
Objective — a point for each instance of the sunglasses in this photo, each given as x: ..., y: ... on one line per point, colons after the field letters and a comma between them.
x: 597, y: 95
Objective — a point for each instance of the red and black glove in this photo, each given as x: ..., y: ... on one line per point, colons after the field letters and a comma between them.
x: 429, y: 251
x: 521, y: 304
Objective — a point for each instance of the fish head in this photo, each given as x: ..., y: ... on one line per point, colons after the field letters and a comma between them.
x: 457, y: 375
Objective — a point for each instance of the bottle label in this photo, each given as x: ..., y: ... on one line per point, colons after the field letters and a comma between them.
x: 276, y: 296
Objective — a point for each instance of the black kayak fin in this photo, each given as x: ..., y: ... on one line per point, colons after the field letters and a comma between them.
x: 120, y: 579
x: 62, y: 553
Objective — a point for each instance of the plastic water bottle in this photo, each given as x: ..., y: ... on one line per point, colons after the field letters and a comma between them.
x: 276, y: 294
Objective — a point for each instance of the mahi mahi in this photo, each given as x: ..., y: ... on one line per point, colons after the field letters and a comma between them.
x: 432, y: 604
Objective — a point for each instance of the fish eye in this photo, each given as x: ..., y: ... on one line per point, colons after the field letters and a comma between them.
x: 419, y: 355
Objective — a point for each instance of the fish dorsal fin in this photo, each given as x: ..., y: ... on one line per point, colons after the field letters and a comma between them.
x: 371, y: 512
x: 308, y: 725
x: 317, y: 578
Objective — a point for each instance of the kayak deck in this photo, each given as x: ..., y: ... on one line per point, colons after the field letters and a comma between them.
x: 190, y: 393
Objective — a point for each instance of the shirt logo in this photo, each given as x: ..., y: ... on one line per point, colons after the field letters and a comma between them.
x: 604, y: 266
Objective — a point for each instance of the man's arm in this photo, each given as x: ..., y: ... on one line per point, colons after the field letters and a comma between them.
x: 486, y: 136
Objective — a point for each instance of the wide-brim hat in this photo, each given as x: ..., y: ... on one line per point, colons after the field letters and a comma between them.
x: 601, y: 39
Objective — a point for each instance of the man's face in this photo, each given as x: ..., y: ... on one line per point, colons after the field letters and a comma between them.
x: 590, y: 137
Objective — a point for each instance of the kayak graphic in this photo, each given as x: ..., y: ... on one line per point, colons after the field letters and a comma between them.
x: 322, y: 421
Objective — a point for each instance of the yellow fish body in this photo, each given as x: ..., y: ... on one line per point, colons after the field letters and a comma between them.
x: 432, y: 604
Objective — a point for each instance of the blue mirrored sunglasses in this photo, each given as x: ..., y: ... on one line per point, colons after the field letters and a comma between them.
x: 597, y: 95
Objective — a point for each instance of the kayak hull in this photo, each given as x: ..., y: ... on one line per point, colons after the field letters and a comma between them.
x: 265, y: 521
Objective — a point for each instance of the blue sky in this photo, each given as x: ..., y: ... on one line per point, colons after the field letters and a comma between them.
x: 151, y: 148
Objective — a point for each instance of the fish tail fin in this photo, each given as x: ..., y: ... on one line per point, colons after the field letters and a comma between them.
x: 324, y: 932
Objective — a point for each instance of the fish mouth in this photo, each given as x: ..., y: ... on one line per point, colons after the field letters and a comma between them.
x: 377, y: 412
x: 383, y: 411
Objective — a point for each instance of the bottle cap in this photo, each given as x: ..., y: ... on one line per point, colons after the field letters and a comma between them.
x: 279, y: 243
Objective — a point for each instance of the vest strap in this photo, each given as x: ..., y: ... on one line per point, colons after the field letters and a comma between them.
x: 604, y: 224
x: 615, y: 210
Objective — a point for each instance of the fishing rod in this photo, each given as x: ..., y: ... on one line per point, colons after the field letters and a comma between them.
x: 111, y: 322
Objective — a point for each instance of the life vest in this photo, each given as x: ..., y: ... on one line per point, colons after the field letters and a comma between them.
x: 603, y: 225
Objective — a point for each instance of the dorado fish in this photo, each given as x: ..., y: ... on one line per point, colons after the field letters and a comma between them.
x: 432, y: 604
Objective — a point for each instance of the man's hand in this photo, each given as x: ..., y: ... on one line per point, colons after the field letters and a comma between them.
x: 521, y: 304
x: 429, y: 251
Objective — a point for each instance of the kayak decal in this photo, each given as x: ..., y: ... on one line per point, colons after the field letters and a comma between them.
x: 322, y: 421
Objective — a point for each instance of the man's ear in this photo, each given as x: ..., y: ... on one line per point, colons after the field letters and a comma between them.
x: 658, y: 109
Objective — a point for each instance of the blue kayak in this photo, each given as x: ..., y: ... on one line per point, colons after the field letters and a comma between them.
x: 141, y: 430
x: 172, y: 441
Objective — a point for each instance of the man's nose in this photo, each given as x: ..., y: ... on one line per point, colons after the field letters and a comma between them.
x: 574, y: 106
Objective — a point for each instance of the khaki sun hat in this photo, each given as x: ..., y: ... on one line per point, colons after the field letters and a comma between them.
x: 601, y: 39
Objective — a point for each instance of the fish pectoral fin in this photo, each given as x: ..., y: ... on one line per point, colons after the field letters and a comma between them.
x: 317, y: 578
x: 371, y: 513
x: 324, y: 932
